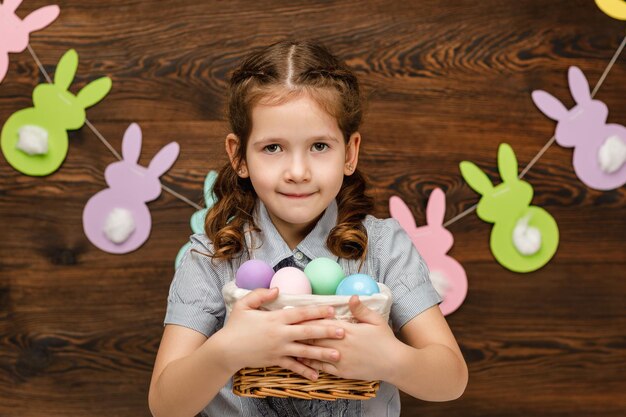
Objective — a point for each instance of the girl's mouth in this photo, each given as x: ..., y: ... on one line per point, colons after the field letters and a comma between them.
x: 297, y: 195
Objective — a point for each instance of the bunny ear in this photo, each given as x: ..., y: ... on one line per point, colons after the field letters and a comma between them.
x: 41, y: 18
x: 507, y: 163
x: 578, y: 85
x: 549, y: 105
x: 401, y: 212
x: 66, y: 69
x: 209, y: 182
x: 164, y: 159
x: 94, y: 91
x: 10, y: 6
x: 475, y: 177
x: 436, y: 208
x: 131, y: 144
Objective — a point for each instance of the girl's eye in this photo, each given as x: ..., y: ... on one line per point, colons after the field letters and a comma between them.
x: 319, y: 147
x: 273, y: 148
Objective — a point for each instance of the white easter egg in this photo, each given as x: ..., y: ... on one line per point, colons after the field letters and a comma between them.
x: 290, y: 280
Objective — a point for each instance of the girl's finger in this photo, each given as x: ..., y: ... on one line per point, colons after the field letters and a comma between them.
x: 298, y: 367
x: 364, y: 314
x: 320, y: 366
x: 329, y: 322
x: 300, y: 314
x: 256, y: 298
x: 307, y: 332
x: 300, y: 350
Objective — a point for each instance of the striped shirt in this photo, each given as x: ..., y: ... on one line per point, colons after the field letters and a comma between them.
x: 195, y: 301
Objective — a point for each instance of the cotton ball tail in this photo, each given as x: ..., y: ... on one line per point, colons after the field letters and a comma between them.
x: 254, y: 274
x: 290, y: 280
x: 119, y: 225
x: 612, y: 154
x: 33, y: 140
x: 527, y: 239
x: 440, y: 282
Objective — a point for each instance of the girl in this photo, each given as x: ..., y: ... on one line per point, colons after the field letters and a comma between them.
x: 291, y: 193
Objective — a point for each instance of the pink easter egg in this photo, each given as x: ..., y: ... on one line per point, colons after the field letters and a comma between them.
x: 290, y: 280
x: 254, y: 274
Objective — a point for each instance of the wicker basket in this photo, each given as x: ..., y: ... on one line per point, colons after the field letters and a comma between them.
x: 279, y: 382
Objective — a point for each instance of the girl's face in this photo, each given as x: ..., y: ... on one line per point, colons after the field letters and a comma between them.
x: 296, y: 159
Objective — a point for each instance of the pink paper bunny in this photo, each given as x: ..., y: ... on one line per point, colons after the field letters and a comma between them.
x: 599, y: 148
x: 14, y: 32
x: 433, y: 242
x: 130, y: 187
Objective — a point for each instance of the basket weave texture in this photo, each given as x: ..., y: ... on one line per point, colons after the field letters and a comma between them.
x: 279, y: 382
x: 283, y: 383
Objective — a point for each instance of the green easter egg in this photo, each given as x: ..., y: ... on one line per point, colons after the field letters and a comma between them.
x: 325, y: 275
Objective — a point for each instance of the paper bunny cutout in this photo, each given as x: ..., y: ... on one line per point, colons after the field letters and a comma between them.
x: 130, y: 187
x: 198, y: 218
x: 584, y: 128
x: 507, y: 205
x: 56, y: 111
x: 14, y: 32
x: 433, y: 242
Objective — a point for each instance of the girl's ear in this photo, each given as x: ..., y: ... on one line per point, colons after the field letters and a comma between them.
x: 352, y: 153
x: 232, y: 146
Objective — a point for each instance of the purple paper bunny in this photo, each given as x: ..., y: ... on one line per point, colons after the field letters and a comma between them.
x: 117, y: 220
x: 14, y: 32
x: 599, y: 148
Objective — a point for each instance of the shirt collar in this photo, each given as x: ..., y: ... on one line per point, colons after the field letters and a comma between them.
x: 269, y: 246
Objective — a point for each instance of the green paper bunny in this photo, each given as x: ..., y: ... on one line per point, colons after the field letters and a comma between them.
x: 198, y: 218
x: 516, y: 222
x: 56, y: 111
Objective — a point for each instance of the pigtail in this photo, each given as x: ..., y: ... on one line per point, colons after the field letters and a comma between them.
x: 348, y: 239
x: 225, y: 221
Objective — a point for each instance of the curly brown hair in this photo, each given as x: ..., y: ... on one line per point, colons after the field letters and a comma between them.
x: 274, y: 75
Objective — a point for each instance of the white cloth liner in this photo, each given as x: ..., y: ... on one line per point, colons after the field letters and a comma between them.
x: 380, y: 302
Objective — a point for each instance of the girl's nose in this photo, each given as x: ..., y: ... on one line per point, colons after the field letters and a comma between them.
x: 298, y: 170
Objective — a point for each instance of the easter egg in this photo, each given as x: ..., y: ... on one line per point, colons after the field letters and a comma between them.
x: 254, y: 274
x: 290, y: 280
x: 324, y: 274
x: 357, y: 284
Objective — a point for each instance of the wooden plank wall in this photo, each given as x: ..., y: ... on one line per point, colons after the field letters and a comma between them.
x: 447, y: 81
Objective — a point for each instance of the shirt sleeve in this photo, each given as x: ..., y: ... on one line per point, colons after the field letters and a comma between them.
x: 195, y: 296
x: 404, y: 271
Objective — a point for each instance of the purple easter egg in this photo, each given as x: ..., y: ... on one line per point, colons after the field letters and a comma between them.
x: 254, y: 274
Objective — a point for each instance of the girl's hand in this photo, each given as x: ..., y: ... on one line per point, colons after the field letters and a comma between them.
x: 364, y: 349
x: 255, y: 338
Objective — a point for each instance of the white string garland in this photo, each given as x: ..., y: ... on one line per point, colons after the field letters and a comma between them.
x: 106, y: 142
x: 446, y: 224
x: 552, y: 139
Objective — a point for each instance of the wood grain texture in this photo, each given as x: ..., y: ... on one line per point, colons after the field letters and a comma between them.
x: 445, y: 81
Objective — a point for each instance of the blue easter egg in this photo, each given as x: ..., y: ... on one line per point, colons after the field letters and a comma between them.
x: 357, y: 284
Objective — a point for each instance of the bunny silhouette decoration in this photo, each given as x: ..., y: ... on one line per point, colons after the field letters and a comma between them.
x: 524, y: 237
x: 433, y: 242
x: 130, y: 187
x: 56, y: 111
x: 599, y: 148
x: 14, y: 32
x: 198, y: 218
